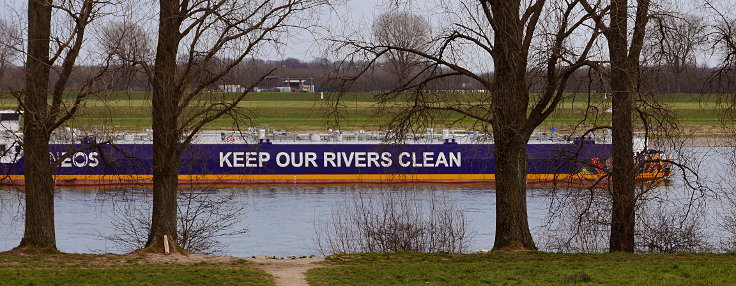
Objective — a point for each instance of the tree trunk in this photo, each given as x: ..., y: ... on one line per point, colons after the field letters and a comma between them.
x: 512, y: 227
x: 166, y: 134
x: 622, y: 173
x: 165, y: 173
x: 39, y: 229
x: 510, y: 100
x: 39, y: 222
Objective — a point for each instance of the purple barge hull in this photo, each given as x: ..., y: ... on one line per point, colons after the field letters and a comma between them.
x: 131, y: 164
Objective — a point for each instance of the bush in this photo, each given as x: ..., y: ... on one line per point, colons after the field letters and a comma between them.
x: 397, y: 219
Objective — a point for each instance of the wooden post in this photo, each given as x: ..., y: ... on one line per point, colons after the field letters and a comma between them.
x: 166, y: 244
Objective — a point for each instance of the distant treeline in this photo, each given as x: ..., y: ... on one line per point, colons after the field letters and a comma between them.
x: 330, y: 76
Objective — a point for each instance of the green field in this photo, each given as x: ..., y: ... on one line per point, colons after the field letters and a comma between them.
x: 495, y: 268
x: 532, y: 268
x: 306, y: 112
x: 89, y: 269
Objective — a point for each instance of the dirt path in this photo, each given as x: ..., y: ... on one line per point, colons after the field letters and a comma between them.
x: 287, y: 272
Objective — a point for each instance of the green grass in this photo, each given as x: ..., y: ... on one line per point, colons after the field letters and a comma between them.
x: 533, y: 268
x: 87, y: 269
x: 306, y: 112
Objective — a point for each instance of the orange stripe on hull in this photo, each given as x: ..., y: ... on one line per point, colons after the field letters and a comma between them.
x: 101, y: 180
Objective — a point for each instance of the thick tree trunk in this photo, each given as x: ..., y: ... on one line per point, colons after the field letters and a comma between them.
x: 510, y: 100
x: 39, y: 221
x: 510, y: 140
x: 623, y: 217
x: 623, y: 205
x: 165, y: 173
x: 166, y: 134
x: 512, y: 227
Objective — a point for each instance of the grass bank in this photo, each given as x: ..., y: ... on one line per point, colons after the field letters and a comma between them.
x: 131, y: 111
x: 532, y: 268
x: 89, y: 269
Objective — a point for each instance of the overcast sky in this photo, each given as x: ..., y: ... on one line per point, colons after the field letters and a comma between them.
x: 350, y: 17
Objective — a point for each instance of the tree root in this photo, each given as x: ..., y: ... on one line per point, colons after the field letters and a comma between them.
x: 157, y: 246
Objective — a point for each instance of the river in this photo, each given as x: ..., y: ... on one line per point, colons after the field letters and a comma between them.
x: 283, y: 220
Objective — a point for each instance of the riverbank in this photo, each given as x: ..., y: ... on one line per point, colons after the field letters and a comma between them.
x: 527, y: 268
x: 714, y: 140
x: 17, y: 268
x: 521, y: 268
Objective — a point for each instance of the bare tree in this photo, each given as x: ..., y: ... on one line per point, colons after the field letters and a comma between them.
x: 126, y: 42
x: 193, y: 39
x: 42, y: 118
x: 723, y: 31
x: 127, y: 45
x: 723, y: 83
x: 675, y: 42
x: 624, y: 50
x: 402, y: 29
x: 10, y: 45
x: 511, y: 34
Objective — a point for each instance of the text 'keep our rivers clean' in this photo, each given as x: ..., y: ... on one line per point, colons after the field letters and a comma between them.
x: 341, y: 159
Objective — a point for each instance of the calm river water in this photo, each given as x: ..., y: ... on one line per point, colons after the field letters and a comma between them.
x: 282, y: 220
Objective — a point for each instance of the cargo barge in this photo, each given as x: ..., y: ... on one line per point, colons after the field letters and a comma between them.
x: 277, y: 157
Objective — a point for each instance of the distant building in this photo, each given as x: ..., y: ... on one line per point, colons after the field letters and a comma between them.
x: 289, y: 84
